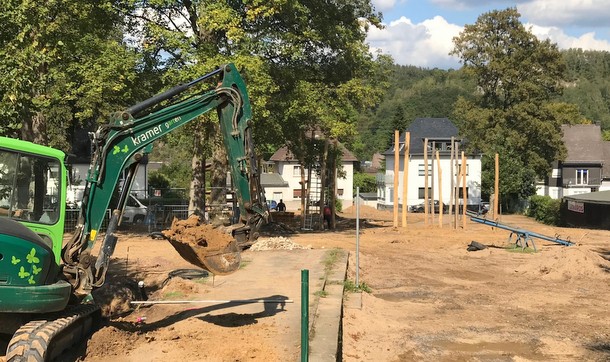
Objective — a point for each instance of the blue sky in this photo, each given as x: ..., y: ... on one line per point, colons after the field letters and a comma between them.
x: 420, y: 32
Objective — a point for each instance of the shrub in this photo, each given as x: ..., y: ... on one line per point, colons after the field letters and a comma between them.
x: 545, y: 209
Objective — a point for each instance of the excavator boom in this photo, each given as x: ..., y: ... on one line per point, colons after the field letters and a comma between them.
x: 38, y: 276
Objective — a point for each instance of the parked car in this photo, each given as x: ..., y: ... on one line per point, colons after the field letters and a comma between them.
x: 134, y: 212
x: 437, y: 207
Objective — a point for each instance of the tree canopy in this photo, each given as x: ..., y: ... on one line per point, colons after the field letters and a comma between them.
x: 64, y: 62
x: 519, y: 77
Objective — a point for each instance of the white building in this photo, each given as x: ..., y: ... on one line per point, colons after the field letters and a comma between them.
x: 439, y: 132
x: 282, y: 180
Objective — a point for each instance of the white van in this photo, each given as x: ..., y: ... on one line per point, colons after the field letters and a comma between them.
x: 134, y: 212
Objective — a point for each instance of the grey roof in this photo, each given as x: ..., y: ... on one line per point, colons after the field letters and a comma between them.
x: 599, y: 197
x: 421, y: 128
x: 283, y: 154
x: 272, y: 180
x: 584, y: 143
x: 368, y: 195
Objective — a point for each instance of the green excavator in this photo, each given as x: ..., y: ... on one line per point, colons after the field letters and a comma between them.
x: 45, y: 283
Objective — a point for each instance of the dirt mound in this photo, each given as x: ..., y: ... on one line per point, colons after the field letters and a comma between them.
x: 111, y: 341
x: 368, y: 212
x: 203, y: 245
x: 114, y: 296
x: 565, y: 263
x: 276, y: 243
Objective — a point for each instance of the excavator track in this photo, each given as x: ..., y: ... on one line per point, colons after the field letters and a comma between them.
x: 46, y: 339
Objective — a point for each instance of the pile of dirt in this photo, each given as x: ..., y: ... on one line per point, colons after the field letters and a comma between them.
x: 276, y: 243
x: 114, y: 297
x: 368, y: 212
x: 566, y: 263
x: 120, y: 342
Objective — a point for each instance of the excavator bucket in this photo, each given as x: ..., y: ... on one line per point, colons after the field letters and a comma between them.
x: 204, y: 246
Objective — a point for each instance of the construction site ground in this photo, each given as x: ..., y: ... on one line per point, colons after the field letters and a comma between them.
x: 427, y: 298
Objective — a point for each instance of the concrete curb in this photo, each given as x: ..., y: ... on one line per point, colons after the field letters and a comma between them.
x: 328, y: 312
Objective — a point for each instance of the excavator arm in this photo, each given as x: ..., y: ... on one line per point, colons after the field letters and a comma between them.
x: 119, y: 147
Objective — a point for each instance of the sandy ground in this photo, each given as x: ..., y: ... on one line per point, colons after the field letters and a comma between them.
x: 430, y: 299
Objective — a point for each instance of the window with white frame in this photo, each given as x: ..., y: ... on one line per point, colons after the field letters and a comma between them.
x: 296, y: 171
x: 421, y: 170
x: 421, y: 192
x: 582, y: 177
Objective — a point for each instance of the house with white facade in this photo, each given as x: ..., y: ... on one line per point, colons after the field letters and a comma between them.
x: 281, y: 179
x: 439, y: 133
x: 586, y: 168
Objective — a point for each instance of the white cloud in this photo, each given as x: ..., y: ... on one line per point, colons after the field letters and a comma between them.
x: 384, y: 5
x: 426, y: 44
x: 586, y: 41
x: 585, y: 13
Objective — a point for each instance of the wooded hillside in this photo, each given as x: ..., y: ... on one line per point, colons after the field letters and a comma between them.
x: 419, y: 92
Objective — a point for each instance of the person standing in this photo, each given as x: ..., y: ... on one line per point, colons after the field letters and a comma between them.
x: 281, y: 206
x: 327, y: 215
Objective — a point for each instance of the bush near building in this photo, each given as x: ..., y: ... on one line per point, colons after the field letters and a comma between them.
x: 545, y: 209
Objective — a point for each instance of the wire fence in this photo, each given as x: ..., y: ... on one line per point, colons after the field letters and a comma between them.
x: 155, y: 210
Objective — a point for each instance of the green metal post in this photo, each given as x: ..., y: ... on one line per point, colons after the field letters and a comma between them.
x: 304, y: 315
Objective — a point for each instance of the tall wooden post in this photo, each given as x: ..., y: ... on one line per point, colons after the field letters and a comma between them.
x: 396, y: 169
x: 451, y: 199
x: 440, y: 190
x: 405, y: 179
x: 457, y: 185
x: 432, y: 195
x: 464, y: 193
x: 497, y: 187
x: 426, y: 181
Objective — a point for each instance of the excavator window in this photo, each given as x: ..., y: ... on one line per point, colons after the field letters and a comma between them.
x: 29, y: 187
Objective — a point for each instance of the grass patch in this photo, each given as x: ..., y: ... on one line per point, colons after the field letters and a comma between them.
x: 518, y: 249
x: 350, y: 287
x: 331, y: 259
x: 173, y: 295
x: 244, y: 263
x: 321, y: 293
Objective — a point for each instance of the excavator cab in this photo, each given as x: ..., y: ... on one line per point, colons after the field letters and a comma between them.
x: 32, y: 214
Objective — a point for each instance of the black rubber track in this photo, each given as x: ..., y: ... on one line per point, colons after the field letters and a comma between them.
x: 45, y: 340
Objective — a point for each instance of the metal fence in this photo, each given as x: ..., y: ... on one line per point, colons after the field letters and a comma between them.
x: 162, y: 206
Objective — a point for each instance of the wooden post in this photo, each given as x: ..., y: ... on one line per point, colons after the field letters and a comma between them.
x: 432, y: 195
x: 497, y: 187
x: 440, y: 190
x: 464, y: 194
x: 396, y: 169
x: 426, y: 181
x: 457, y: 186
x: 405, y: 179
x: 451, y: 178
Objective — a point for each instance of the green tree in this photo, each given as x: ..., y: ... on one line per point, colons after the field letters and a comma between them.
x: 305, y: 62
x: 366, y: 182
x: 63, y: 62
x: 518, y: 77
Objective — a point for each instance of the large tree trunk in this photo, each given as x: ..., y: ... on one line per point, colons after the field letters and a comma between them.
x: 218, y: 176
x: 197, y: 190
x: 35, y: 129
